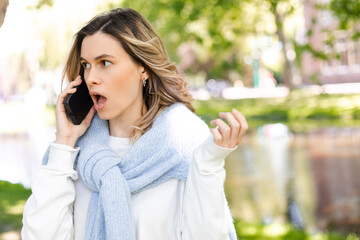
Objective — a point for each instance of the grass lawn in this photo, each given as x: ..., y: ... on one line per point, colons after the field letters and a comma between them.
x: 281, y: 231
x: 12, y: 200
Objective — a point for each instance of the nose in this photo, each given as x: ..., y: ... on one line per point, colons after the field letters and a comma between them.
x: 91, y: 77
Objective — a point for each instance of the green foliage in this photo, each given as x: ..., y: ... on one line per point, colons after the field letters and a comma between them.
x: 219, y: 30
x: 215, y: 27
x: 12, y: 200
x: 299, y: 49
x: 347, y: 12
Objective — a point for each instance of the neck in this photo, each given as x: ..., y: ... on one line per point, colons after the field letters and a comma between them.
x: 122, y: 125
x: 120, y: 129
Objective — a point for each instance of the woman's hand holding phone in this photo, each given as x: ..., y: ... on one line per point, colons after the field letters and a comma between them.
x: 66, y: 132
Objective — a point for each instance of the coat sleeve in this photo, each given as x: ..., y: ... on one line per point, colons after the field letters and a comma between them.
x: 205, y: 211
x: 48, y: 213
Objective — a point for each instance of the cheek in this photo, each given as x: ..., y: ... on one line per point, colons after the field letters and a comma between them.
x: 126, y: 85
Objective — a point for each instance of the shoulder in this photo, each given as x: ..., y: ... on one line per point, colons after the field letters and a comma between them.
x: 183, y: 125
x: 180, y: 116
x: 179, y: 112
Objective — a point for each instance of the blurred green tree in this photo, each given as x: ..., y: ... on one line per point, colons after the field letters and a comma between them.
x: 348, y: 14
x: 219, y: 29
x: 215, y: 34
x: 280, y: 10
x: 213, y: 30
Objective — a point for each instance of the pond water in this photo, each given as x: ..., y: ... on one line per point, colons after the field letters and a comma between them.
x: 309, y: 179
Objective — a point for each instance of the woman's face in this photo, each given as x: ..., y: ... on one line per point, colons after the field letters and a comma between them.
x: 114, y: 79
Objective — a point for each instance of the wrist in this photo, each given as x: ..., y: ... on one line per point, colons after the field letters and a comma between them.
x: 70, y: 141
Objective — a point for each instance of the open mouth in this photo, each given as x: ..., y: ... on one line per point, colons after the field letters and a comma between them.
x: 99, y: 101
x: 96, y: 97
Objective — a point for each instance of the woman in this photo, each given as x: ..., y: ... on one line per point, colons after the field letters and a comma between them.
x: 149, y: 167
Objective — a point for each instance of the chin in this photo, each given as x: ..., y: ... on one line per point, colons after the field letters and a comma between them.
x: 103, y: 115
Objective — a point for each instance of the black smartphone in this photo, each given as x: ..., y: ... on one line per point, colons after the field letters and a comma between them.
x: 78, y: 104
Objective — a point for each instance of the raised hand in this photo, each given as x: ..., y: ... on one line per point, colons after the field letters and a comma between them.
x: 229, y: 136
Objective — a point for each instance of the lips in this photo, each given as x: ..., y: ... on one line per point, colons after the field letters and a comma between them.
x: 99, y: 100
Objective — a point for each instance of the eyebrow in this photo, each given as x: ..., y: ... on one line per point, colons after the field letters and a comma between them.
x: 100, y: 57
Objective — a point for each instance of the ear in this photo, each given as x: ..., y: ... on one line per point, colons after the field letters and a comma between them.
x: 144, y: 73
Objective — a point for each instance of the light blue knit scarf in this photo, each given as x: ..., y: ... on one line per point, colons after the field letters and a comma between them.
x: 163, y: 152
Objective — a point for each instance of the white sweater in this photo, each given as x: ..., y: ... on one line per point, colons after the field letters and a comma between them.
x: 173, y: 210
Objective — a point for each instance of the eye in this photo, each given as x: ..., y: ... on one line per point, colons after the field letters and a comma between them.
x: 105, y: 63
x: 85, y: 65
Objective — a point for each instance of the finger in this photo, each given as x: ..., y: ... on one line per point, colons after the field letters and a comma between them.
x: 240, y: 118
x: 77, y: 81
x: 62, y: 96
x: 243, y: 123
x: 69, y: 89
x: 234, y: 128
x: 224, y: 129
x: 71, y: 85
x: 233, y: 123
x: 217, y: 136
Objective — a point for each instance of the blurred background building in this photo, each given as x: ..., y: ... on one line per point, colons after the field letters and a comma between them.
x: 339, y: 46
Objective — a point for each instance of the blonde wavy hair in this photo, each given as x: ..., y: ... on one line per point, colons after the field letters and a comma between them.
x: 164, y: 86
